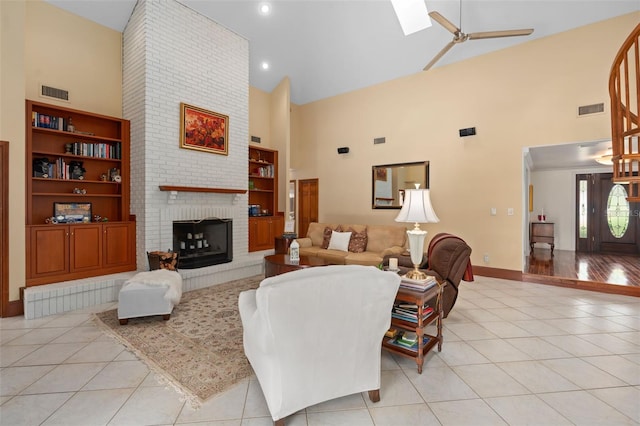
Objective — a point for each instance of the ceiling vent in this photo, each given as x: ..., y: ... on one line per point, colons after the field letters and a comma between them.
x: 52, y: 92
x: 590, y: 109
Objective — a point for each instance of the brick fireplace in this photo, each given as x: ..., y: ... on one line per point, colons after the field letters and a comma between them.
x: 171, y: 54
x: 204, y: 242
x: 162, y: 67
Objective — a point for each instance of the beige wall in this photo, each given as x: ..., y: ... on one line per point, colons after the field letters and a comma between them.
x: 259, y: 117
x: 49, y: 46
x: 269, y: 118
x: 517, y: 97
x: 281, y: 136
x: 12, y: 21
x: 68, y: 52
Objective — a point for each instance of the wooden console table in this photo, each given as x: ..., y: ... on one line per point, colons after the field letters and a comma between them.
x: 541, y: 232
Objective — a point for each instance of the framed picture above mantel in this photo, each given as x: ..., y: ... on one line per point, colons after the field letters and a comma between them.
x: 203, y: 130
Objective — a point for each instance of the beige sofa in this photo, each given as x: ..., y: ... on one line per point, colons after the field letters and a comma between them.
x: 381, y: 240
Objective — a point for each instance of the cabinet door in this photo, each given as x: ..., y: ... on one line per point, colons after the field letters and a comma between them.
x: 85, y: 247
x: 118, y: 247
x: 260, y: 234
x: 277, y: 226
x: 49, y: 250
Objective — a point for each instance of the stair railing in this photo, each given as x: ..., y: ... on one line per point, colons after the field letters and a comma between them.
x: 624, y: 91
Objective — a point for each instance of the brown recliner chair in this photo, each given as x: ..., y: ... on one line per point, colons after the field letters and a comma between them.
x: 447, y: 259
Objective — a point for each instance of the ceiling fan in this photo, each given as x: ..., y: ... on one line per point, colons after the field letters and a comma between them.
x: 460, y: 37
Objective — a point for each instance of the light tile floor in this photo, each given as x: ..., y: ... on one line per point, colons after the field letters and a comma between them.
x: 514, y: 353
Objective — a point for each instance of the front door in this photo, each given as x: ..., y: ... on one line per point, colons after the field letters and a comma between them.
x: 307, y: 204
x: 605, y: 221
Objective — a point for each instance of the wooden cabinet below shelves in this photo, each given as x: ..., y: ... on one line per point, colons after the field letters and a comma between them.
x: 67, y: 252
x: 263, y: 231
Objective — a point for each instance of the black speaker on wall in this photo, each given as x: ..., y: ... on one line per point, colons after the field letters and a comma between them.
x: 469, y: 131
x: 343, y: 150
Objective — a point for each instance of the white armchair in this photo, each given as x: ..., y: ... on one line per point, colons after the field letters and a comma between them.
x: 315, y: 334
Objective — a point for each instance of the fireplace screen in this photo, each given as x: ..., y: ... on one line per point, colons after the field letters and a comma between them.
x: 203, y: 242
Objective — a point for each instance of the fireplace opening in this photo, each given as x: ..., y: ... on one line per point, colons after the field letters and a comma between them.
x: 203, y: 242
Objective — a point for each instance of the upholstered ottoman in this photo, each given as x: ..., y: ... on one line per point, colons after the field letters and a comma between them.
x: 149, y: 293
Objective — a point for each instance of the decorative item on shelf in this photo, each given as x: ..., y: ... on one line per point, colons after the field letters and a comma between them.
x: 79, y: 191
x: 251, y: 184
x: 542, y: 217
x: 103, y: 177
x: 41, y: 167
x: 417, y: 209
x: 114, y: 175
x: 67, y: 148
x: 72, y: 212
x: 51, y: 219
x: 77, y: 170
x: 97, y: 218
x: 70, y: 127
x: 294, y: 251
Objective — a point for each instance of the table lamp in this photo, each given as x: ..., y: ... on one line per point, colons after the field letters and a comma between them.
x: 415, y: 209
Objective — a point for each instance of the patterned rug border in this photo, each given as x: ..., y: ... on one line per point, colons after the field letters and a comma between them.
x: 205, y: 386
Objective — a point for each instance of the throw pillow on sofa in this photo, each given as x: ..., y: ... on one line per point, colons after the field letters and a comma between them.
x: 339, y: 241
x: 326, y: 235
x: 358, y: 241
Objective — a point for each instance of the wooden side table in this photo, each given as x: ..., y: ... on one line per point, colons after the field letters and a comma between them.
x: 541, y: 232
x: 282, y: 244
x: 419, y: 298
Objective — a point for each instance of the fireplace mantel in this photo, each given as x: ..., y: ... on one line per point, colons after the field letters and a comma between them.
x: 201, y: 189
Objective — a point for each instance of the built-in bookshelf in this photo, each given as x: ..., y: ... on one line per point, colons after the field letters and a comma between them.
x: 77, y: 194
x: 264, y: 222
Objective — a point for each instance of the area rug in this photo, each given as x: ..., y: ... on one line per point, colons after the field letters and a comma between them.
x: 199, y: 350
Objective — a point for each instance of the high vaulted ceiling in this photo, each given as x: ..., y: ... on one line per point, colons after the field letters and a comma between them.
x: 328, y: 47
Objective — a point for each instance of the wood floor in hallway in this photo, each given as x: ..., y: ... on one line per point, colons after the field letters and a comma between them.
x: 603, y: 272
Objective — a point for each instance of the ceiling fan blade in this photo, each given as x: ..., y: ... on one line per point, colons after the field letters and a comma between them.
x: 439, y: 55
x: 498, y: 34
x: 444, y: 22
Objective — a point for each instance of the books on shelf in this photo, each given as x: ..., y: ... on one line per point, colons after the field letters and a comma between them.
x: 48, y: 121
x: 414, y: 347
x: 408, y: 338
x: 97, y: 150
x: 421, y: 285
x: 409, y: 312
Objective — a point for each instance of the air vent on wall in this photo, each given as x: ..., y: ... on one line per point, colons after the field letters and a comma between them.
x: 52, y: 92
x: 590, y: 109
x: 255, y: 139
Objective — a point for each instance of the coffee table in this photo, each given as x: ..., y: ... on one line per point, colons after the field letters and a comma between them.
x: 277, y: 264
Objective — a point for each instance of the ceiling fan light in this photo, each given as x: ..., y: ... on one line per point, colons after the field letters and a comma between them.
x: 605, y: 160
x: 412, y: 14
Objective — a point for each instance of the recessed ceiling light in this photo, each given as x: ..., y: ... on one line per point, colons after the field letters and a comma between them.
x: 264, y: 65
x: 264, y: 8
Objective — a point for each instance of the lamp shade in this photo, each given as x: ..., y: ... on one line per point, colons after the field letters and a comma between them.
x: 417, y: 208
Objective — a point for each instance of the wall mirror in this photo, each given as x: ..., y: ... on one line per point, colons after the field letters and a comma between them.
x: 389, y: 182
